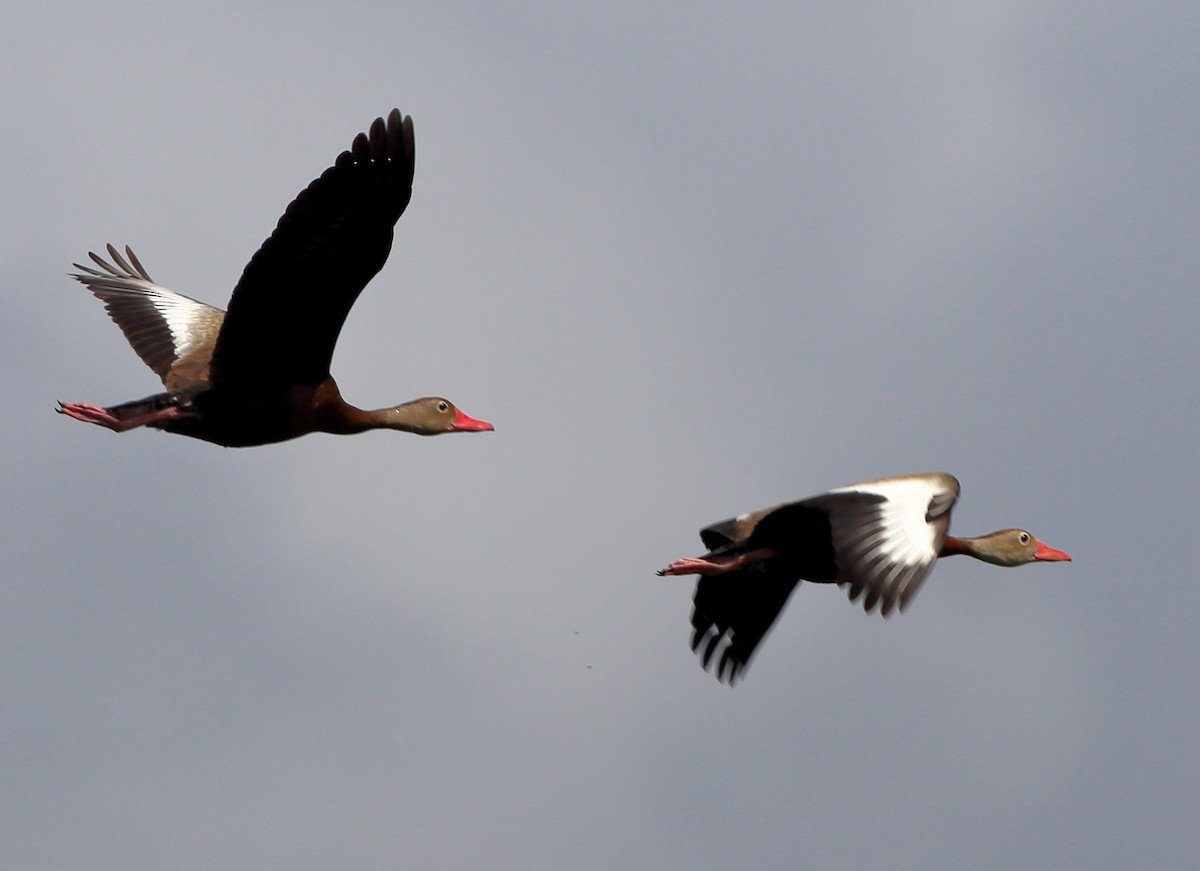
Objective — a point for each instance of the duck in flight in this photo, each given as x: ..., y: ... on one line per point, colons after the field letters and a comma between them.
x: 259, y: 372
x: 878, y: 539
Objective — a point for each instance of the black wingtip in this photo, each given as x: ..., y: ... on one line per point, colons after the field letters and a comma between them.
x: 379, y: 139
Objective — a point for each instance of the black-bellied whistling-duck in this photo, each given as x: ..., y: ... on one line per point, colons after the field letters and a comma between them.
x: 878, y: 538
x: 259, y: 373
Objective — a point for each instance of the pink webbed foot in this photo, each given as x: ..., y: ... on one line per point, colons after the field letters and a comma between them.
x: 120, y: 423
x: 90, y: 414
x: 698, y: 566
x: 717, y: 565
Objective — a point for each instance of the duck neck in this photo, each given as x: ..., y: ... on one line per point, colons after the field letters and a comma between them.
x: 323, y: 410
x: 979, y: 547
x: 403, y: 417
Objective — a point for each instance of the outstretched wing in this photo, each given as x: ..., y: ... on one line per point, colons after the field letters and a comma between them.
x: 172, y: 333
x: 295, y: 293
x: 887, y: 536
x: 732, y: 613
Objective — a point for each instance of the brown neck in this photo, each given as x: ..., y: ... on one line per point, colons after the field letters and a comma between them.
x: 991, y: 548
x: 954, y: 545
x: 402, y: 417
x: 322, y: 409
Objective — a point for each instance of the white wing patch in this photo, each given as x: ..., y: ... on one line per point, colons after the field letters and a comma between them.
x: 882, y: 539
x: 161, y: 325
x: 180, y: 315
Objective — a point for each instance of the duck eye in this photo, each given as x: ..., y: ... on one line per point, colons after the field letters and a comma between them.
x: 443, y: 406
x: 1024, y: 536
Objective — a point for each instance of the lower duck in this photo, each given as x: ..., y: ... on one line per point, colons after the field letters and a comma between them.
x: 878, y: 539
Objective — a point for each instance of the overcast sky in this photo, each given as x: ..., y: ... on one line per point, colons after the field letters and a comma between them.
x: 690, y: 261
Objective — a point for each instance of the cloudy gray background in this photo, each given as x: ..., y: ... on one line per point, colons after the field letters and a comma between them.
x: 689, y: 263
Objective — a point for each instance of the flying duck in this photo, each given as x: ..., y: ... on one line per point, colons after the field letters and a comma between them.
x: 878, y: 539
x: 259, y: 372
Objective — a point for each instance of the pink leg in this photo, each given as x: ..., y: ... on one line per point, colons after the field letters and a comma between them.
x: 716, y: 565
x: 103, y: 417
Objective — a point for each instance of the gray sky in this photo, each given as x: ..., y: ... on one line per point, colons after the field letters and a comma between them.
x: 690, y: 263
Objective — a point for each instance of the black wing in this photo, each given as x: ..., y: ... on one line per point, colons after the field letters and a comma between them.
x: 294, y: 295
x: 733, y: 612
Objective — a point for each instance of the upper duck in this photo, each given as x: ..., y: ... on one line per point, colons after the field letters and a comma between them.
x: 259, y: 373
x: 879, y: 539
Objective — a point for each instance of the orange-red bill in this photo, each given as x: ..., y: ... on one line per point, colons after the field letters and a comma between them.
x: 1046, y: 552
x: 466, y: 423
